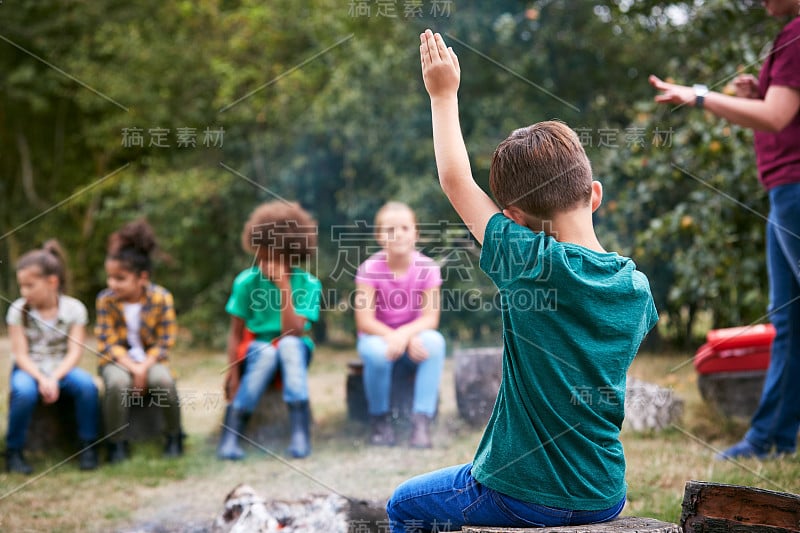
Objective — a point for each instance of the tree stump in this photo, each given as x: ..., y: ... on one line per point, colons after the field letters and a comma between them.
x: 53, y: 427
x: 269, y: 425
x: 147, y: 423
x: 620, y: 525
x: 402, y: 398
x: 478, y: 372
x: 145, y: 418
x: 735, y: 394
x: 718, y: 508
x: 650, y: 407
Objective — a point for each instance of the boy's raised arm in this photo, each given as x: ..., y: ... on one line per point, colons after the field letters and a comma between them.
x: 441, y: 74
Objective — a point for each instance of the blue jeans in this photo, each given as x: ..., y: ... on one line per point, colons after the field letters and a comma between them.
x: 77, y: 384
x: 378, y: 372
x: 777, y: 418
x: 447, y: 499
x: 261, y: 362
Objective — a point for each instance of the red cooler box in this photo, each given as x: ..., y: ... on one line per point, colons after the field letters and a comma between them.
x: 731, y: 367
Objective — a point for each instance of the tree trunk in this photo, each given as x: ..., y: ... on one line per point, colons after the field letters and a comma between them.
x: 26, y: 169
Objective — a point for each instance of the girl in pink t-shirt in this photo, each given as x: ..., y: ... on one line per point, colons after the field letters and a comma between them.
x: 397, y: 313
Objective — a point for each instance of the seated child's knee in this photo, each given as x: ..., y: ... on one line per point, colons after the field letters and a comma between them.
x: 290, y: 342
x: 433, y: 340
x: 117, y: 382
x: 372, y: 348
x: 26, y: 395
x: 161, y: 382
x: 85, y: 383
x: 87, y: 390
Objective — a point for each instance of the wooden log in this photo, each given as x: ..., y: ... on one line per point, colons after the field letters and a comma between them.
x: 629, y: 524
x: 478, y: 372
x: 718, y: 508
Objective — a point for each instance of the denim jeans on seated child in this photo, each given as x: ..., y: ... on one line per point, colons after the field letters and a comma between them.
x: 378, y: 372
x: 446, y: 499
x: 777, y: 419
x: 262, y: 361
x: 77, y: 384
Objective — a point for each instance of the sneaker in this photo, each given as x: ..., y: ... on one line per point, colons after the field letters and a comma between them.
x: 783, y: 453
x: 420, y: 431
x: 15, y: 462
x: 742, y: 450
x: 382, y: 431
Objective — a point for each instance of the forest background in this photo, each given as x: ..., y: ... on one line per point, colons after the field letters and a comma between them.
x: 190, y: 113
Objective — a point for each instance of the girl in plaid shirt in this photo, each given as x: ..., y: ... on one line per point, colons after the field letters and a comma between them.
x: 135, y: 330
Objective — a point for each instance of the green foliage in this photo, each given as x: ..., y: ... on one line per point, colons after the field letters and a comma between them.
x: 686, y: 204
x: 197, y: 212
x: 688, y: 211
x: 325, y: 106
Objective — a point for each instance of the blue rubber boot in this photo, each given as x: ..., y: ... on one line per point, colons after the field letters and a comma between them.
x: 300, y: 422
x: 233, y: 426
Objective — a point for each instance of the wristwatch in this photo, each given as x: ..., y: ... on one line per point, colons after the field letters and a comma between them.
x: 700, y: 92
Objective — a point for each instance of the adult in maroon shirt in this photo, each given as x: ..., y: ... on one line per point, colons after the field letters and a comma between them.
x: 769, y: 105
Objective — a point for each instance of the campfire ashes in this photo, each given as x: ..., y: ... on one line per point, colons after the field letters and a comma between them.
x: 247, y: 512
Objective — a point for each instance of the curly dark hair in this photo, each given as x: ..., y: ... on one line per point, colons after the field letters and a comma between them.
x: 284, y: 229
x: 133, y: 245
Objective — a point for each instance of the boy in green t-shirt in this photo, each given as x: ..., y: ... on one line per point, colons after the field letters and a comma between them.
x: 275, y: 303
x: 573, y: 318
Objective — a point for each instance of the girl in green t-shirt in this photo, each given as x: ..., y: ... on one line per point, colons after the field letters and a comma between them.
x: 272, y: 306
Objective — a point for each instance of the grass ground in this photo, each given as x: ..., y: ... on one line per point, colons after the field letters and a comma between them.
x: 149, y: 492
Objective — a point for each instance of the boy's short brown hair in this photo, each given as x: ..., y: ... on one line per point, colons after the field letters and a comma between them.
x: 282, y: 229
x: 541, y: 169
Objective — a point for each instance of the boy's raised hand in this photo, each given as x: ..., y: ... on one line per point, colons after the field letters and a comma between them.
x: 442, y: 74
x: 440, y: 69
